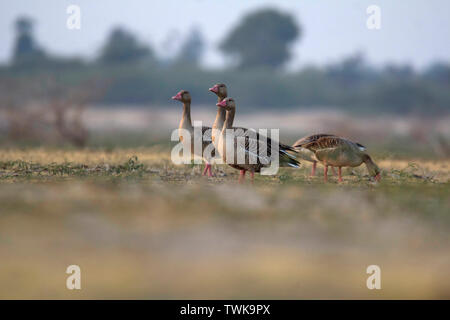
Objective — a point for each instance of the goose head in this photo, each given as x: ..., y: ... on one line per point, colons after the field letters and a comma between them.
x: 183, y: 96
x: 377, y: 176
x: 220, y: 90
x: 227, y: 103
x: 374, y: 170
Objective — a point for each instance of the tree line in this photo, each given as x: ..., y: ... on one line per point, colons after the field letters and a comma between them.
x: 258, y: 48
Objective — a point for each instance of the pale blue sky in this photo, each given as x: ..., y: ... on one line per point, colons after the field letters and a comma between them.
x: 414, y: 31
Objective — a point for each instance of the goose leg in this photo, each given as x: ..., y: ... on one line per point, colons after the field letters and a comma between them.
x: 340, y: 174
x: 313, y: 170
x: 252, y: 175
x: 241, y: 176
x: 325, y: 173
x: 206, y: 169
x: 209, y: 171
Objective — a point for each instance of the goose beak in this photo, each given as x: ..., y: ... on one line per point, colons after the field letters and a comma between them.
x: 177, y: 96
x: 214, y: 89
x: 222, y: 103
x: 377, y: 177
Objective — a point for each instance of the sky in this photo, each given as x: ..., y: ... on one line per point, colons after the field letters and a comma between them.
x: 414, y: 31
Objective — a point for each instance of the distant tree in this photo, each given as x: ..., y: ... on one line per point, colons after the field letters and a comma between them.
x: 439, y: 72
x: 262, y: 39
x: 122, y: 46
x: 399, y: 72
x: 192, y: 49
x: 25, y: 48
x: 352, y: 70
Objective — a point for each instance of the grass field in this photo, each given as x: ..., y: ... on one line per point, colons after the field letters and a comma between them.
x: 141, y: 227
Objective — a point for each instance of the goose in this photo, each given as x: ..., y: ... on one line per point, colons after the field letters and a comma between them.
x: 308, y: 155
x: 340, y: 152
x: 220, y: 89
x: 186, y: 124
x: 249, y: 147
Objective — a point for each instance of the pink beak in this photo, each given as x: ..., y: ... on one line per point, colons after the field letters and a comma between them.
x: 177, y: 97
x: 214, y: 89
x: 377, y: 177
x: 222, y: 103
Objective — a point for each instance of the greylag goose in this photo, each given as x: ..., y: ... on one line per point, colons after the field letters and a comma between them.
x: 186, y: 124
x: 340, y: 152
x: 308, y: 155
x: 249, y: 147
x: 221, y: 91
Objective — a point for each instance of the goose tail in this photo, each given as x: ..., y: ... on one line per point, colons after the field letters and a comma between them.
x: 287, y: 159
x: 285, y: 150
x: 361, y: 147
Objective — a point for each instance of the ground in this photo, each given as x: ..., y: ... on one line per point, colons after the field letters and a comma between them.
x: 140, y: 227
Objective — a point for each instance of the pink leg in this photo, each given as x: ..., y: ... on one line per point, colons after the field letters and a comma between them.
x: 242, y: 176
x: 340, y: 174
x: 252, y: 175
x: 209, y: 171
x: 325, y: 173
x: 313, y: 170
x: 206, y: 169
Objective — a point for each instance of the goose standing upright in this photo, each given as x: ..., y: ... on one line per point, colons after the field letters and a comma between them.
x: 248, y: 147
x: 340, y: 152
x: 186, y: 124
x: 221, y: 91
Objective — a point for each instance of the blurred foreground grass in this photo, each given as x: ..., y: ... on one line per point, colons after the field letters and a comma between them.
x: 141, y: 227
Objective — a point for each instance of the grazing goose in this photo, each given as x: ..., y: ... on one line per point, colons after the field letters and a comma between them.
x: 308, y: 155
x: 256, y: 156
x: 186, y: 124
x: 340, y: 152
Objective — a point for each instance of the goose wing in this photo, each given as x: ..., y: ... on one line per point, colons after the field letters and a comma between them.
x: 255, y: 151
x: 253, y: 134
x: 259, y: 151
x: 311, y: 138
x: 326, y: 142
x: 329, y: 140
x: 206, y: 133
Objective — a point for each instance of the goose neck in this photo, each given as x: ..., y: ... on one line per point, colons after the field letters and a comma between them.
x: 186, y: 117
x: 229, y: 119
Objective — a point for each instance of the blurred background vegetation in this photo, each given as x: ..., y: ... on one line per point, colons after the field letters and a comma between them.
x: 44, y: 97
x: 258, y: 47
